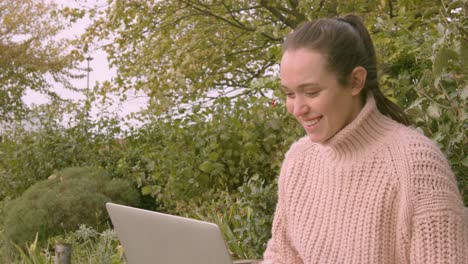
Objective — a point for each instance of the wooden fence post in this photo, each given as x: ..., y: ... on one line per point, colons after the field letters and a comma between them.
x: 62, y: 253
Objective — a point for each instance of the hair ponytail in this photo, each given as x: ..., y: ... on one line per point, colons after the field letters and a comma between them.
x: 384, y: 104
x: 389, y: 108
x: 346, y: 44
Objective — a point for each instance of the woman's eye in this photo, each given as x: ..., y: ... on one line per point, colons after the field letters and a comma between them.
x: 288, y: 93
x: 311, y: 94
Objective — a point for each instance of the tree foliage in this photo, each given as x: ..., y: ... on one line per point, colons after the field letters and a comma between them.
x: 189, y: 51
x: 31, y: 57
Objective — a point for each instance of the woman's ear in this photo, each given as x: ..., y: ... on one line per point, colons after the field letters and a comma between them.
x: 358, y: 80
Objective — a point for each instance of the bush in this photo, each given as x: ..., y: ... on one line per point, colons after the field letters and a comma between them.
x: 31, y: 155
x: 71, y: 197
x: 212, y: 150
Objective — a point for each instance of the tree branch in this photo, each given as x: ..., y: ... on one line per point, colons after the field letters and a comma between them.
x: 390, y: 8
x: 292, y: 23
x: 207, y: 12
x: 235, y: 23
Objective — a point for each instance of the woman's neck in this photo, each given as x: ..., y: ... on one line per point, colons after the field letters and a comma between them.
x: 359, y: 136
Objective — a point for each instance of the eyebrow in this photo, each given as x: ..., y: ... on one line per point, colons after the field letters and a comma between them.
x: 302, y: 86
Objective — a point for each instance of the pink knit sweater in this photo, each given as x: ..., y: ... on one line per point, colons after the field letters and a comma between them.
x: 377, y: 192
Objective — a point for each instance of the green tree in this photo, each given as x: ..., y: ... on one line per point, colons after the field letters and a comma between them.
x: 178, y: 51
x: 31, y: 59
x: 190, y: 51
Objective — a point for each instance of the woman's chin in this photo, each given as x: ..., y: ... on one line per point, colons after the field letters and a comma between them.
x: 316, y: 138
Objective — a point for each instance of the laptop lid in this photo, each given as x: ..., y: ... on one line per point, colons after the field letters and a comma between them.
x: 152, y: 237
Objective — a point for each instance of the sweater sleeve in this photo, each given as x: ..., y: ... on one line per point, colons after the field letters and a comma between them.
x: 439, y: 232
x: 279, y: 249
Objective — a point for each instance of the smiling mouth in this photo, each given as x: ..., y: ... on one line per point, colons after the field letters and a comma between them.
x: 313, y: 122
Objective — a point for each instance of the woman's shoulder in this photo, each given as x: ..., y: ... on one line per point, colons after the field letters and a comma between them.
x: 428, y: 169
x: 415, y: 144
x: 431, y: 181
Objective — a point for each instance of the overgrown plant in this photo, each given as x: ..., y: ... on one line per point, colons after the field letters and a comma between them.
x: 69, y: 198
x: 213, y: 150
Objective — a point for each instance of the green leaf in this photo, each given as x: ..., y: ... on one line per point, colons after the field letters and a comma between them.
x: 465, y: 161
x: 463, y: 51
x: 206, y: 167
x: 442, y: 59
x: 213, y: 156
x: 146, y: 190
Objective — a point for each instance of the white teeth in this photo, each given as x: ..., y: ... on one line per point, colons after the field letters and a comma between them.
x: 312, y: 122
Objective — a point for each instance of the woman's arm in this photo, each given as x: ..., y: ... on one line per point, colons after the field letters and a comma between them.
x: 279, y: 249
x: 439, y: 232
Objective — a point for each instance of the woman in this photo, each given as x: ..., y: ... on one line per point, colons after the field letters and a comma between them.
x: 361, y: 187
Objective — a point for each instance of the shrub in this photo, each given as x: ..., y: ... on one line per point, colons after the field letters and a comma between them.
x: 71, y: 197
x: 31, y: 155
x: 212, y: 150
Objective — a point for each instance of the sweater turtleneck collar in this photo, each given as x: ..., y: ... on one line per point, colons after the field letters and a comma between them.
x: 359, y: 136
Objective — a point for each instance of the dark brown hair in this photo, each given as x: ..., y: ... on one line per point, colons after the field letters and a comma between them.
x: 346, y: 44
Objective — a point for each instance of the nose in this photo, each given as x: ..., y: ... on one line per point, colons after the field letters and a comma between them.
x: 300, y: 106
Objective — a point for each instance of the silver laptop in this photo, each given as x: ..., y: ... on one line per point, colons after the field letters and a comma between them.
x: 152, y: 237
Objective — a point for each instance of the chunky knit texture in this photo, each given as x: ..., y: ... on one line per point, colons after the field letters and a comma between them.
x: 376, y: 192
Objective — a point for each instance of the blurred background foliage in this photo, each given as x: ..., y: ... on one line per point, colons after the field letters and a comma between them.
x: 210, y: 143
x: 64, y: 201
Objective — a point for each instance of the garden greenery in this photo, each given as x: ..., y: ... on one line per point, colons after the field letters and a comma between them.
x: 69, y: 198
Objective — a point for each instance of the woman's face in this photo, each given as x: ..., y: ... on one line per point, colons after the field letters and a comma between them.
x: 315, y: 97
